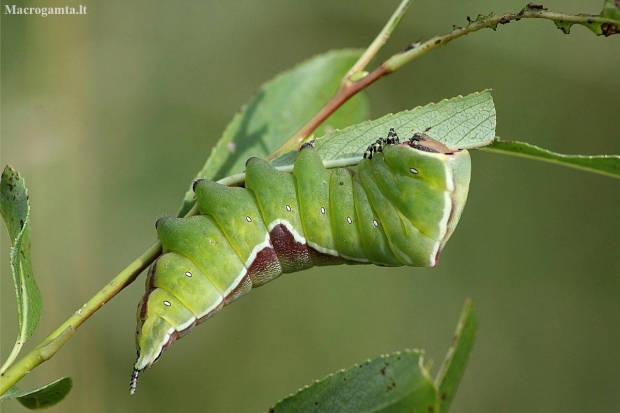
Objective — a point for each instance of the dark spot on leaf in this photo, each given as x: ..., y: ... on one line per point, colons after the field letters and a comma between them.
x: 21, y: 223
x: 316, y: 403
x: 609, y: 29
x: 427, y: 129
x: 272, y: 410
x: 383, y: 371
x: 444, y: 396
x: 437, y: 41
x: 430, y: 408
x: 341, y: 183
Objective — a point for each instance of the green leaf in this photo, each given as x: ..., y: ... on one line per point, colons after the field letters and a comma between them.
x: 42, y: 397
x: 278, y: 110
x: 611, y: 11
x: 15, y: 210
x: 394, y: 383
x: 603, y: 164
x: 606, y: 23
x: 454, y: 364
x: 461, y: 122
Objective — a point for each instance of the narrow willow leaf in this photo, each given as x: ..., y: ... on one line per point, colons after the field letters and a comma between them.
x: 454, y: 364
x: 394, y: 383
x: 42, y: 397
x: 602, y: 164
x: 15, y: 210
x: 463, y: 122
x: 280, y: 108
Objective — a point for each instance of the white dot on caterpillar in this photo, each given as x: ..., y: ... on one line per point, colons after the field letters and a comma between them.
x: 288, y: 208
x: 375, y: 222
x: 322, y: 210
x: 248, y: 219
x: 349, y: 220
x: 413, y: 171
x: 188, y: 274
x: 167, y: 303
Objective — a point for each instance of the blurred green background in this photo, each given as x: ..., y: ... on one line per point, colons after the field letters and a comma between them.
x: 108, y: 117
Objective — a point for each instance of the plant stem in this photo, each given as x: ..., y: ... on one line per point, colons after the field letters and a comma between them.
x: 48, y: 347
x: 345, y: 92
x: 379, y: 41
x: 397, y: 61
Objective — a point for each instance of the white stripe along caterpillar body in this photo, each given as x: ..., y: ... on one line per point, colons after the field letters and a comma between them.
x: 398, y: 208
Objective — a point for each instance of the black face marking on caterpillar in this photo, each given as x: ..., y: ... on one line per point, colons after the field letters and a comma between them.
x: 398, y: 206
x: 392, y: 139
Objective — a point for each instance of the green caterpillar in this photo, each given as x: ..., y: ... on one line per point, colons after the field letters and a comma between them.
x: 398, y: 208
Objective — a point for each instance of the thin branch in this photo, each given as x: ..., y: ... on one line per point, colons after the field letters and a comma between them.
x: 379, y: 41
x: 562, y: 21
x: 48, y: 347
x: 344, y: 93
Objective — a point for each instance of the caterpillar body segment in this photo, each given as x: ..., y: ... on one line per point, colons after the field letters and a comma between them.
x: 398, y: 208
